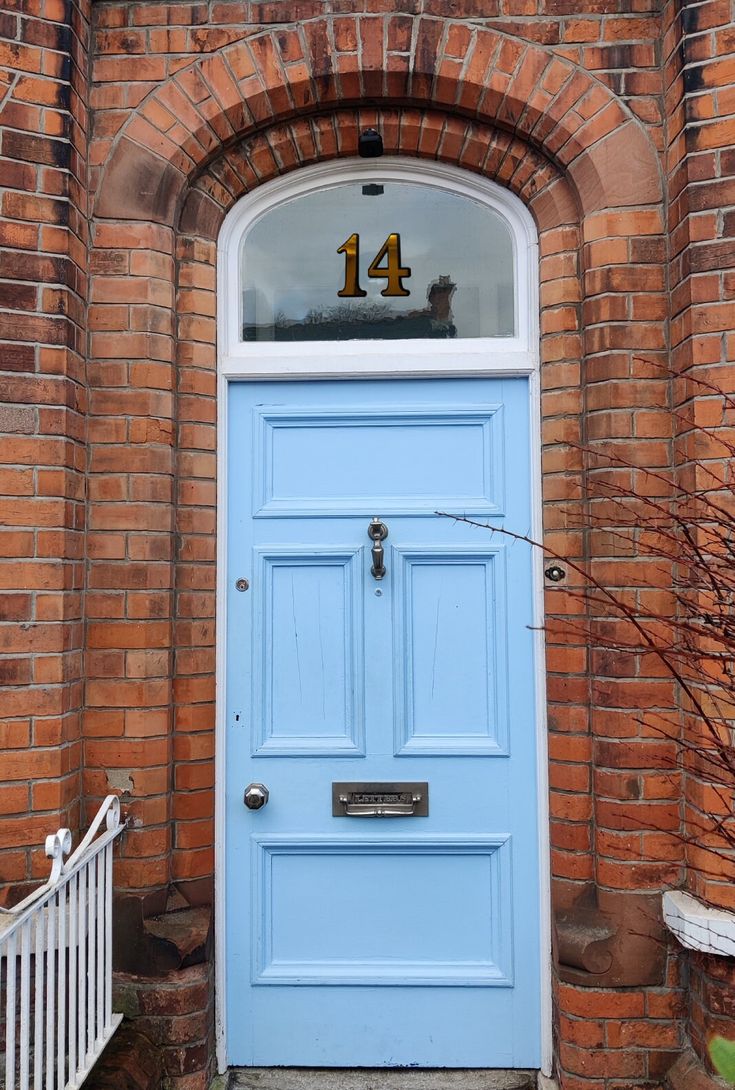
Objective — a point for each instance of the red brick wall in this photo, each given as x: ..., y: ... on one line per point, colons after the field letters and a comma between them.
x: 582, y: 111
x: 701, y: 170
x: 703, y: 281
x: 43, y: 248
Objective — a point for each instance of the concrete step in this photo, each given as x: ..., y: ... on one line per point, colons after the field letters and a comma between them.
x: 380, y: 1078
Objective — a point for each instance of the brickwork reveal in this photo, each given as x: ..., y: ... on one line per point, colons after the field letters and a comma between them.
x: 612, y: 121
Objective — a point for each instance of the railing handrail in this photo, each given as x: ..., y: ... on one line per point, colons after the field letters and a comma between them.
x: 58, y: 845
x: 56, y: 955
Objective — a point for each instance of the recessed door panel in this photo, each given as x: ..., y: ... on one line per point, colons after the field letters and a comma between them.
x: 308, y: 662
x: 340, y: 463
x: 356, y: 931
x: 451, y: 639
x: 383, y: 905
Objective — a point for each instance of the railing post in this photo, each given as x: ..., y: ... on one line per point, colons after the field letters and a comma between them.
x: 10, y: 1014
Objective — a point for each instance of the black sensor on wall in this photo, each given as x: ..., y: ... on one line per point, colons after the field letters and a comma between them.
x: 370, y: 144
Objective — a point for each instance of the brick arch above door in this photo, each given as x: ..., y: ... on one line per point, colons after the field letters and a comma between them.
x: 437, y: 135
x: 329, y: 62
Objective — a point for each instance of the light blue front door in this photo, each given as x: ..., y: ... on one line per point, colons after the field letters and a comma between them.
x: 358, y: 940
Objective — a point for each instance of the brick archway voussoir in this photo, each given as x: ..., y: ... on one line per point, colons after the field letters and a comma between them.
x: 476, y: 73
x: 432, y: 134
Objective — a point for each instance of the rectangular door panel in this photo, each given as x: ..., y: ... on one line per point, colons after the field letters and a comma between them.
x: 450, y: 638
x: 307, y: 665
x: 333, y: 463
x: 371, y: 911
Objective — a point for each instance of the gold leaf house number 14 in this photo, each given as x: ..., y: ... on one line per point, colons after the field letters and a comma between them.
x: 392, y: 270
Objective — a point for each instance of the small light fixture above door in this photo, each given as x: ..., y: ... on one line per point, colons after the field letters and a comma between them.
x: 370, y: 144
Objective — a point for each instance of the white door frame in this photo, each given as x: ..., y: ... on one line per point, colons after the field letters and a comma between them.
x: 478, y: 357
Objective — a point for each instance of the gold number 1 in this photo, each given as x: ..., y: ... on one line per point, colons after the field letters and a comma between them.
x: 351, y: 250
x: 392, y: 271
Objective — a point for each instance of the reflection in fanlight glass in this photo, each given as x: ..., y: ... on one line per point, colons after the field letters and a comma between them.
x: 459, y: 254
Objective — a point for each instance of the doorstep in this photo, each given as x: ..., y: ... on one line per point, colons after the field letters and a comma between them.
x: 385, y: 1078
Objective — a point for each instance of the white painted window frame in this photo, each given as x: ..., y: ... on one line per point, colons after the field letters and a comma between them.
x: 349, y: 360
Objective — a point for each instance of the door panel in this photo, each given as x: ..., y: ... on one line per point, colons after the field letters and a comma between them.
x: 456, y: 461
x: 450, y: 660
x: 308, y: 663
x: 360, y: 936
x: 381, y: 941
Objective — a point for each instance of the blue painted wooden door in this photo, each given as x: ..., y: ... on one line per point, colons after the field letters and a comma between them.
x: 358, y: 941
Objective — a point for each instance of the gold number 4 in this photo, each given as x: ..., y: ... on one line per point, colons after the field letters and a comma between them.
x: 392, y: 270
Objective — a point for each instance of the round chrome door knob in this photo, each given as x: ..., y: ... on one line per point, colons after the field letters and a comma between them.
x: 256, y: 796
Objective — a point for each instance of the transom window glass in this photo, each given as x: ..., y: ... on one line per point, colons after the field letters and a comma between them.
x: 377, y: 260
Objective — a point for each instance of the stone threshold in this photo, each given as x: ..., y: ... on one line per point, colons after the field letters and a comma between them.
x: 381, y: 1078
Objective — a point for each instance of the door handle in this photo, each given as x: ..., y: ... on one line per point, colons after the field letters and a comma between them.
x: 256, y: 796
x: 377, y: 532
x: 397, y: 809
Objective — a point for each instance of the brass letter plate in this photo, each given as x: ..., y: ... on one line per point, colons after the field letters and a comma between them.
x: 380, y: 800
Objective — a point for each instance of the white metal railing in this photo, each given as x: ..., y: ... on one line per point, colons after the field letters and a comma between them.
x: 56, y: 964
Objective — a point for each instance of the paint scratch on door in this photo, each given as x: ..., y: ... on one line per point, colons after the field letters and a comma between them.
x: 321, y: 649
x: 296, y: 637
x: 436, y: 643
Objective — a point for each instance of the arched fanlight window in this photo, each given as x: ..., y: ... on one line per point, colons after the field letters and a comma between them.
x: 377, y: 260
x: 383, y: 250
